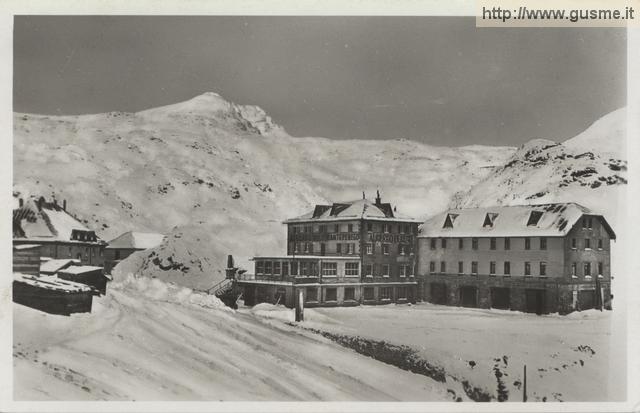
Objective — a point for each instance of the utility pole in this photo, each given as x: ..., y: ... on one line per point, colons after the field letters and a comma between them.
x: 524, y: 385
x: 300, y: 306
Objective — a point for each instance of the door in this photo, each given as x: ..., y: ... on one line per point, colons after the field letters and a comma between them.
x: 501, y: 298
x: 586, y: 299
x: 534, y: 301
x: 281, y: 294
x: 469, y: 296
x: 438, y: 293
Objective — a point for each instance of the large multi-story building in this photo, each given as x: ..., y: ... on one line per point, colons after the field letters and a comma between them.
x: 346, y: 253
x: 534, y: 258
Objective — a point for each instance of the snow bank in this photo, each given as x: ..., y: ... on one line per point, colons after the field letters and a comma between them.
x: 155, y: 289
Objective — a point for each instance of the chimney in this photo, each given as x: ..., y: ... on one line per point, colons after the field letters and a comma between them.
x: 363, y: 197
x: 378, y: 200
x: 64, y: 204
x: 21, y: 202
x: 40, y: 203
x: 55, y: 203
x: 230, y: 271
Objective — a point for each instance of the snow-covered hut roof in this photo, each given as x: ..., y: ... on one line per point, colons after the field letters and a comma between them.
x: 53, y: 266
x: 51, y: 283
x: 358, y: 209
x: 546, y: 220
x: 39, y: 220
x: 136, y: 240
x: 80, y: 269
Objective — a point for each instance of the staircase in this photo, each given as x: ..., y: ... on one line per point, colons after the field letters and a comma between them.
x: 225, y: 292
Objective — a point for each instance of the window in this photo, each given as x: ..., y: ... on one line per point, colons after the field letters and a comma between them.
x: 492, y: 268
x: 385, y: 249
x: 369, y: 227
x: 330, y: 269
x: 574, y: 244
x: 276, y: 268
x: 574, y: 269
x: 304, y: 269
x: 589, y: 223
x: 330, y: 294
x: 312, y: 295
x: 587, y: 244
x: 351, y: 248
x: 403, y: 271
x: 600, y: 243
x: 349, y: 294
x: 285, y: 268
x: 543, y: 243
x: 402, y: 293
x: 433, y: 243
x: 268, y: 267
x: 527, y: 268
x: 385, y: 270
x: 460, y: 243
x: 323, y: 228
x: 527, y: 243
x: 507, y: 268
x: 474, y: 267
x: 534, y: 217
x: 294, y: 268
x: 338, y: 248
x: 443, y: 266
x: 409, y: 270
x: 402, y: 249
x: 352, y: 269
x: 600, y: 268
x: 368, y: 270
x: 296, y: 247
x: 507, y: 243
x: 587, y: 269
x: 584, y: 223
x: 368, y: 293
x: 310, y: 247
x: 492, y: 244
x: 443, y: 243
x: 369, y: 248
x: 432, y: 266
x: 306, y: 247
x: 460, y: 267
x: 543, y: 269
x: 350, y: 227
x: 385, y: 228
x: 385, y: 293
x: 259, y: 267
x: 474, y: 243
x: 336, y: 228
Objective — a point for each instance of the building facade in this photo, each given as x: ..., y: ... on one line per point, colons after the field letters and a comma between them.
x: 126, y: 244
x: 534, y: 258
x: 60, y: 235
x: 348, y: 253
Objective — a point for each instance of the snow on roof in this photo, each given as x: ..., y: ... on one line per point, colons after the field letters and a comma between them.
x: 53, y: 266
x: 80, y: 269
x: 45, y: 222
x: 26, y: 246
x: 51, y: 283
x: 137, y: 240
x: 358, y: 209
x: 508, y: 221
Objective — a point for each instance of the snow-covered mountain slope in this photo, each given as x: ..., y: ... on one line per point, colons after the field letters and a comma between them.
x: 219, y: 177
x: 590, y: 169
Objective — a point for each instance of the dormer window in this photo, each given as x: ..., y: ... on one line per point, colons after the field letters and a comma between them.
x: 449, y: 220
x: 489, y: 219
x: 534, y: 217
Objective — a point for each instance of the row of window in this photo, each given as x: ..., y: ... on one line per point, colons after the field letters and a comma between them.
x: 383, y: 270
x: 506, y: 268
x: 403, y: 249
x: 506, y: 243
x: 370, y: 226
x: 331, y: 294
x: 493, y: 243
x: 350, y: 248
x: 305, y: 269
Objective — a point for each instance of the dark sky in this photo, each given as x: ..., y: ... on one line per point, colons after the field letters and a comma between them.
x: 439, y: 80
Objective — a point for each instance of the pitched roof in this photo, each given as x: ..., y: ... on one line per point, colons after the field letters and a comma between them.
x: 80, y: 269
x: 358, y: 209
x: 136, y: 240
x: 508, y: 221
x: 45, y: 221
x: 53, y: 266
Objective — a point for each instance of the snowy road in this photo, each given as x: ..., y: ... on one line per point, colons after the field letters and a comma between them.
x: 134, y: 347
